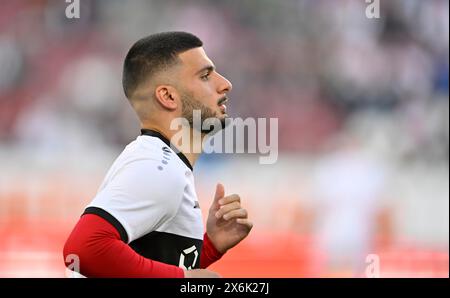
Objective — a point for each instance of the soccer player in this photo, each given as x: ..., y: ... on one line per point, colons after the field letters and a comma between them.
x: 145, y: 220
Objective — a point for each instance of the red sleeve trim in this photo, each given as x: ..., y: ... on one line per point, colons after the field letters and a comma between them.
x: 209, y: 253
x: 102, y: 253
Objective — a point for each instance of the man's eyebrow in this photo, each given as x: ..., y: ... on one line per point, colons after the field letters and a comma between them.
x: 208, y: 68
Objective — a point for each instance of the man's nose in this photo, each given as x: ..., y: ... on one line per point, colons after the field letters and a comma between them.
x: 225, y: 85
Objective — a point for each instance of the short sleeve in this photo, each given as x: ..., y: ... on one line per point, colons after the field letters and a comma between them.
x: 139, y: 198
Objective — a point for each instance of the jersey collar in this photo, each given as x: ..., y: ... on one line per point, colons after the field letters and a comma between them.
x: 156, y: 134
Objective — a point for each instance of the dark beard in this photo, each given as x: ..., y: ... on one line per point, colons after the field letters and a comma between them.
x: 190, y: 104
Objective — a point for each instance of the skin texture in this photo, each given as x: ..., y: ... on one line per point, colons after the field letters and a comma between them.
x: 194, y: 83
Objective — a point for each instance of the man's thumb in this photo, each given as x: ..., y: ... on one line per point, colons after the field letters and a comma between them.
x: 220, y: 193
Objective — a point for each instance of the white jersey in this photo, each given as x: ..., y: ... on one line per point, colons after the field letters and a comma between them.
x: 149, y: 196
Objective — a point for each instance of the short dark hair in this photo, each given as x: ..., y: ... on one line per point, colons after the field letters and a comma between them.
x: 152, y: 54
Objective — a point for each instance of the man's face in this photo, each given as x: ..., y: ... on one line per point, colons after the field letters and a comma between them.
x: 203, y: 88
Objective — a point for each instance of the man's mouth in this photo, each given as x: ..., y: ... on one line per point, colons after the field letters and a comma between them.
x: 221, y: 103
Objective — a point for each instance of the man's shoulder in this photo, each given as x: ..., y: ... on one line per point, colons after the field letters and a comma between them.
x: 143, y: 171
x: 143, y: 147
x: 150, y: 157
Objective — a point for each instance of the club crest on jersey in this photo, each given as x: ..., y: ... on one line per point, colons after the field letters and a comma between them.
x: 184, y: 254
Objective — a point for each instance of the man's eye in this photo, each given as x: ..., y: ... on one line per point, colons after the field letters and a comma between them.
x: 205, y: 77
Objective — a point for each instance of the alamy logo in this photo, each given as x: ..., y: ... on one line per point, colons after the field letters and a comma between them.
x: 73, y: 9
x: 373, y: 9
x: 231, y: 135
x: 373, y: 266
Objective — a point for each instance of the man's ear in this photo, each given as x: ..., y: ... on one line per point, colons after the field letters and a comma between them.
x: 167, y: 96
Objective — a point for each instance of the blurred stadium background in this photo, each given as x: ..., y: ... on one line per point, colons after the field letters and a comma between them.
x: 363, y: 109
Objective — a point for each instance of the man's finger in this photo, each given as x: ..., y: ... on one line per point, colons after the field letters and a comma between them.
x: 245, y: 222
x: 229, y: 199
x: 220, y: 193
x: 227, y: 208
x: 238, y: 213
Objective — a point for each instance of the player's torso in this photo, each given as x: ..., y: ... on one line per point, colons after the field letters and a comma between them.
x: 176, y: 239
x: 179, y: 240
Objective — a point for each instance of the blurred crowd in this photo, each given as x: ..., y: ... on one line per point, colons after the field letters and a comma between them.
x: 362, y: 105
x: 322, y: 67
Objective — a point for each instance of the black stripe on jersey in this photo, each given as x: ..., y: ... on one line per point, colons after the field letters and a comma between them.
x: 109, y: 218
x: 154, y: 133
x: 170, y: 249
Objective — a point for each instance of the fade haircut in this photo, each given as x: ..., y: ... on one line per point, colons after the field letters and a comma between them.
x: 152, y: 54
